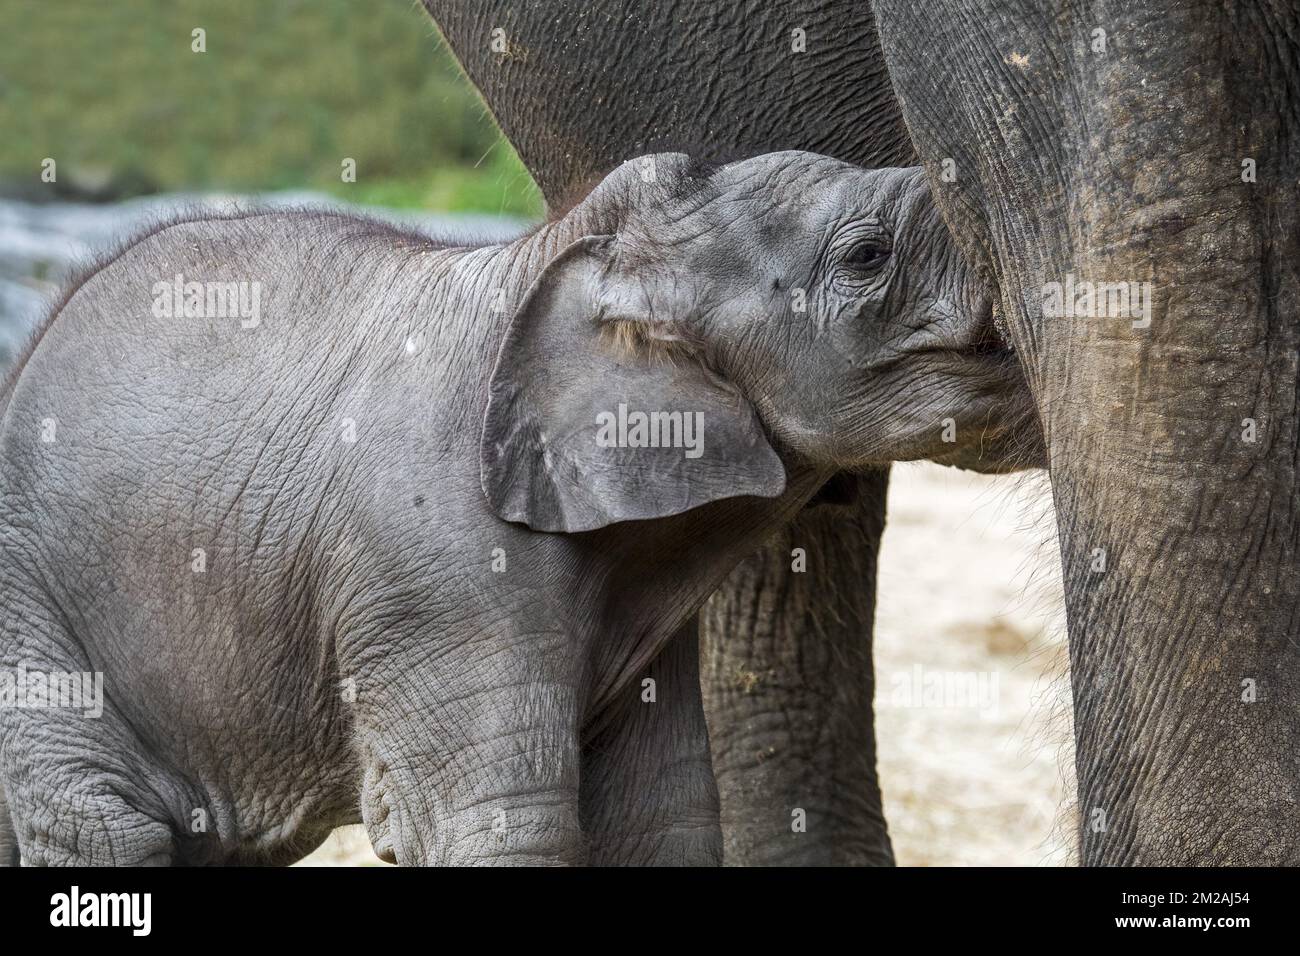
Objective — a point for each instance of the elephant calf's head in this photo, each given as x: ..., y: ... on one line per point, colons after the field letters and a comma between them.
x: 789, y: 301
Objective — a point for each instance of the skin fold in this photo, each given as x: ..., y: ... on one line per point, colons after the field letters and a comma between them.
x: 1153, y: 143
x: 282, y: 542
x: 578, y: 88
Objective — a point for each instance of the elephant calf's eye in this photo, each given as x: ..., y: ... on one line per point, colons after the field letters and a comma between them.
x: 865, y: 256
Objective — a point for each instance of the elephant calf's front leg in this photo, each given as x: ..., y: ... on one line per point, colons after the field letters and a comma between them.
x: 648, y: 794
x: 469, y: 764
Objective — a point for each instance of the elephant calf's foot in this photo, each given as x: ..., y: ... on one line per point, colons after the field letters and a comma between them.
x: 515, y: 830
x: 410, y: 824
x: 8, y: 838
x: 375, y: 811
x: 65, y: 810
x: 100, y: 831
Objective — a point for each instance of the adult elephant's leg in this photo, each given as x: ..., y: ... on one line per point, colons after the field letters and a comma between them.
x: 648, y: 796
x: 788, y: 681
x: 1154, y: 147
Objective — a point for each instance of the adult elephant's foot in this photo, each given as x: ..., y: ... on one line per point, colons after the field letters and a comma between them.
x: 788, y: 683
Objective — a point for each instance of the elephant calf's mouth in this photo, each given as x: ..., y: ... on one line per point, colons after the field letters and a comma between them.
x: 987, y: 340
x: 966, y: 333
x: 978, y: 340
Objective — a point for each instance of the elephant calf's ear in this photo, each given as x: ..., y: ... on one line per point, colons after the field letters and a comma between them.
x: 581, y: 433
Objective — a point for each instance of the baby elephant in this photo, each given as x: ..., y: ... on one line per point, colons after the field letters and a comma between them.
x: 255, y: 469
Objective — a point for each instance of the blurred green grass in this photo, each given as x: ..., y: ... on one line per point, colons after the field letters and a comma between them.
x: 285, y: 91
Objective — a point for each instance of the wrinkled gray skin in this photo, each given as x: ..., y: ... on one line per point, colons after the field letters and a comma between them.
x: 1126, y: 163
x: 722, y: 81
x: 348, y: 641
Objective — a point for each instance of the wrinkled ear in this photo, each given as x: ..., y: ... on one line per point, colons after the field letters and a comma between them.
x: 583, y: 430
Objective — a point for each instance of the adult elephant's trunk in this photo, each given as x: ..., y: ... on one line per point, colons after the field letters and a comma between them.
x: 1155, y: 146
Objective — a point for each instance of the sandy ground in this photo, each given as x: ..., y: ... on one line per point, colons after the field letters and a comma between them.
x: 971, y: 700
x: 973, y: 722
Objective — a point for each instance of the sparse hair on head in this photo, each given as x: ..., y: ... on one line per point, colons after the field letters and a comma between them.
x: 636, y: 338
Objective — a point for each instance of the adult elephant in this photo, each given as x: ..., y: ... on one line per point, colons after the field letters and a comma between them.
x: 786, y: 655
x: 1157, y: 144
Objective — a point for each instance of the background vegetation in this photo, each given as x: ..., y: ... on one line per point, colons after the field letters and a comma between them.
x: 285, y: 91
